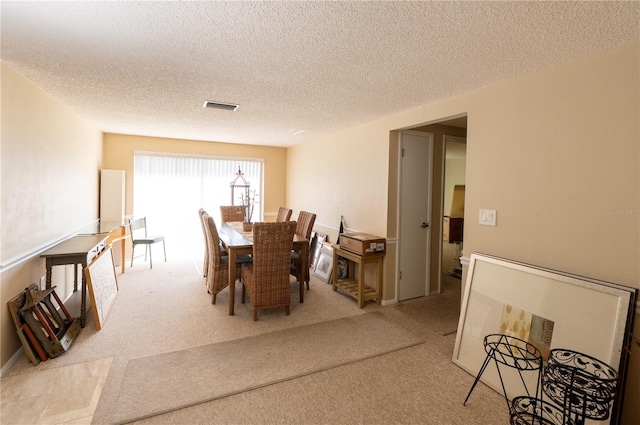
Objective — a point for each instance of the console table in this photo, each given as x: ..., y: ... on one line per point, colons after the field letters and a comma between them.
x: 79, y: 249
x: 115, y: 232
x: 353, y: 285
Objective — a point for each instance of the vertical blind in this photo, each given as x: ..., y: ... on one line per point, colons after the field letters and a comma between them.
x: 169, y: 190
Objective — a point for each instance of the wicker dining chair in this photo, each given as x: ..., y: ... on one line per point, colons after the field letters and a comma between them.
x: 218, y: 267
x: 203, y: 221
x: 205, y: 265
x: 303, y: 229
x: 231, y: 213
x: 266, y: 279
x: 284, y: 214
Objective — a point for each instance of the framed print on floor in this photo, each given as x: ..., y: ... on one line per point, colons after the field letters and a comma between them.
x: 547, y: 308
x: 103, y: 286
x: 324, y: 265
x: 316, y: 242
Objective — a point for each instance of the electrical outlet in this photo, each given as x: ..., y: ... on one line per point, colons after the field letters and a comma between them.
x: 488, y: 217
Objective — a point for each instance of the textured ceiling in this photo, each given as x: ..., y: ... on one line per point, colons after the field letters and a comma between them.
x: 299, y: 70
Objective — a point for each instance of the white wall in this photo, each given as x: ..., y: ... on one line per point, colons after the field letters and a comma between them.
x: 49, y: 187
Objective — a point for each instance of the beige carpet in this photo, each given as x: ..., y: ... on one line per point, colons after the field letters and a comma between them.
x: 439, y: 312
x: 165, y: 382
x: 166, y: 309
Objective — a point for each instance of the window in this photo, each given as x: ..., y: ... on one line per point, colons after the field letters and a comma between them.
x: 169, y: 189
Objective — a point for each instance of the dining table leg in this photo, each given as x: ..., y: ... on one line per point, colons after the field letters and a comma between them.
x: 232, y: 279
x: 304, y: 257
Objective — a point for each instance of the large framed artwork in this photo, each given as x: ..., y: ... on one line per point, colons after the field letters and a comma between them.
x: 103, y: 286
x: 547, y: 308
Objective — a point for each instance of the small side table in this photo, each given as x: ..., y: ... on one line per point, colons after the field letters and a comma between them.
x: 353, y: 285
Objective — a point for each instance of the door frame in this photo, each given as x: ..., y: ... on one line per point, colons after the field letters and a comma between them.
x: 429, y: 212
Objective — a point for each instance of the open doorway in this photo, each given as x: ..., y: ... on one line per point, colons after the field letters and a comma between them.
x: 439, y: 306
x: 455, y: 159
x: 441, y: 256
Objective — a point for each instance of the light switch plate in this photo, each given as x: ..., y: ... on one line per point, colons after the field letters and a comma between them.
x: 488, y: 217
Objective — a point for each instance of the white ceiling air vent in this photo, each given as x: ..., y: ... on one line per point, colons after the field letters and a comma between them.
x: 220, y: 105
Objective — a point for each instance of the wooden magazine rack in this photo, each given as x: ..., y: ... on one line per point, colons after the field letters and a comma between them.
x: 45, y: 329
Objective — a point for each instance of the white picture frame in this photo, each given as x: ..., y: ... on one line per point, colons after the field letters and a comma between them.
x: 102, y: 284
x: 590, y: 316
x: 324, y: 264
x: 317, y: 240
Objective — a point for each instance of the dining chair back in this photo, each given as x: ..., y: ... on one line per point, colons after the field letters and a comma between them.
x: 139, y: 236
x: 267, y: 278
x: 205, y: 265
x: 304, y: 227
x: 305, y: 224
x: 218, y: 268
x: 231, y: 213
x: 284, y: 214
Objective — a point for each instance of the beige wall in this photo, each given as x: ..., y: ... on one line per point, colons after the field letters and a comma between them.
x: 551, y: 151
x: 119, y: 149
x: 342, y: 174
x: 555, y: 152
x: 49, y: 188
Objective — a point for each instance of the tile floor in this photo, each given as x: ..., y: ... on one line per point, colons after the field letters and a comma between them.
x: 63, y: 395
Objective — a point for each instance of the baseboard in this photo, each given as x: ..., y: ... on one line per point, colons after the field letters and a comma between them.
x: 7, y: 366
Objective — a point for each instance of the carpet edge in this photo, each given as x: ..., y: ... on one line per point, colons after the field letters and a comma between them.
x: 255, y: 387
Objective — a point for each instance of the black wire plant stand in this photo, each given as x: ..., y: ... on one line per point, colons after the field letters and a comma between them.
x: 514, y: 353
x: 583, y: 386
x: 577, y: 386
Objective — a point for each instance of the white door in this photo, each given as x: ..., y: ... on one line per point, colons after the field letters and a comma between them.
x: 415, y: 213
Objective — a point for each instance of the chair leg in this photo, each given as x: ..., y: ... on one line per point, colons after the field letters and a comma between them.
x: 150, y: 259
x: 133, y: 250
x: 287, y: 310
x: 255, y: 314
x: 213, y: 299
x: 164, y: 247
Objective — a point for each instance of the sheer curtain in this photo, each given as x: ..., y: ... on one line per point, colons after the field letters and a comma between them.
x: 169, y: 190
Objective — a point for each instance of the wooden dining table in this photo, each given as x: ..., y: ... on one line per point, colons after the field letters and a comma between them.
x: 238, y: 242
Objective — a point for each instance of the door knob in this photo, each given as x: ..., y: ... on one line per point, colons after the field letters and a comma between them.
x: 423, y: 225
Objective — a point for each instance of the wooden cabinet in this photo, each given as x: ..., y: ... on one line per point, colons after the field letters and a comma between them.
x: 453, y: 229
